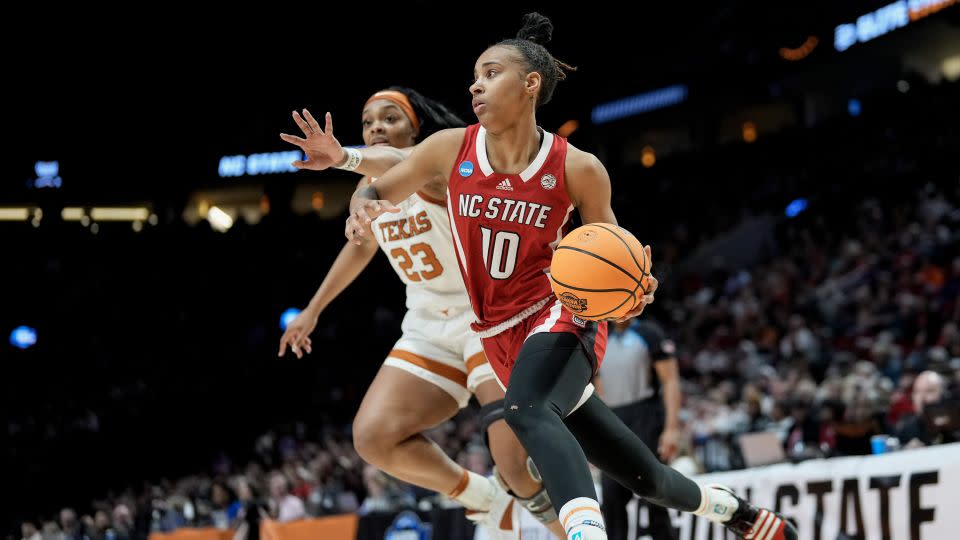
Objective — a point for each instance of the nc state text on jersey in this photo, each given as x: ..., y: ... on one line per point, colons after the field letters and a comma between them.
x: 507, y: 210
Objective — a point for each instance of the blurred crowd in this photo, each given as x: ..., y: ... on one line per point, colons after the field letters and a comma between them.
x: 295, y: 473
x: 825, y: 344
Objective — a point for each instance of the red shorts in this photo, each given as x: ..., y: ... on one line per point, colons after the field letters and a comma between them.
x: 504, y: 348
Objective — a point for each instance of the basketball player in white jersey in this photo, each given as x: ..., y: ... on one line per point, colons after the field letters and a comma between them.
x: 439, y: 361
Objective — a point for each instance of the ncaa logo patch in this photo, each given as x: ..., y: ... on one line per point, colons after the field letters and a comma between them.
x: 548, y: 181
x: 579, y: 322
x: 577, y: 536
x: 466, y: 169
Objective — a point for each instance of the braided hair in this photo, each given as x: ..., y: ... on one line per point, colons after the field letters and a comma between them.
x: 536, y: 32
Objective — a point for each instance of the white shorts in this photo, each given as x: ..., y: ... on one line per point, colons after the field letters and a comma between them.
x: 442, y: 349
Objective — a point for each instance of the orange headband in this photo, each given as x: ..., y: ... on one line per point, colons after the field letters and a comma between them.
x: 401, y: 100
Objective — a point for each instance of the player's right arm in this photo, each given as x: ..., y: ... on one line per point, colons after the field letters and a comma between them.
x: 323, y: 150
x: 430, y: 162
x: 351, y: 261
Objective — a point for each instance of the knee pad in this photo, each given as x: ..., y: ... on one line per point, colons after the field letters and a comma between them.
x: 490, y: 413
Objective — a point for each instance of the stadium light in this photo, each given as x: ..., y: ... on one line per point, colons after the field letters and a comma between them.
x: 23, y: 337
x: 219, y: 220
x: 640, y: 103
x: 795, y: 207
x: 853, y: 107
x: 14, y: 214
x: 648, y: 156
x: 287, y: 317
x: 139, y: 213
x: 72, y: 213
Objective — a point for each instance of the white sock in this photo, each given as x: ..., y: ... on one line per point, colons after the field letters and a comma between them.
x: 474, y: 492
x: 716, y: 504
x: 582, y: 520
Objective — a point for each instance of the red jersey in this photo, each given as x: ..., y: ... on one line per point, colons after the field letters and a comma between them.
x: 506, y: 227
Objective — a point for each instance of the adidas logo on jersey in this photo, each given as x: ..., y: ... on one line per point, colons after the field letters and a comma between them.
x: 505, y: 185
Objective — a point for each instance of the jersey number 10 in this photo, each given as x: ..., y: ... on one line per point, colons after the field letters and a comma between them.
x: 502, y: 262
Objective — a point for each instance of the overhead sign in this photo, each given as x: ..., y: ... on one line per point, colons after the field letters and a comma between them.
x: 885, y: 20
x: 256, y: 164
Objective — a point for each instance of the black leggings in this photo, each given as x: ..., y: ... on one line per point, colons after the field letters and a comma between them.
x: 546, y: 383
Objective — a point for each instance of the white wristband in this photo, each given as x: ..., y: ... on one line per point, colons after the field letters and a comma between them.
x: 354, y: 157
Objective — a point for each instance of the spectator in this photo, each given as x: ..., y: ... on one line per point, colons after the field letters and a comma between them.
x: 287, y: 506
x: 913, y: 431
x: 28, y: 531
x: 383, y: 493
x: 52, y: 531
x: 73, y: 529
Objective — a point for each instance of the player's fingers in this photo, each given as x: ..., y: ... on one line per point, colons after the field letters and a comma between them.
x: 353, y: 231
x: 304, y: 127
x: 289, y: 338
x: 363, y: 215
x: 653, y: 284
x: 641, y: 303
x: 670, y: 452
x: 329, y: 127
x: 312, y: 122
x: 293, y: 139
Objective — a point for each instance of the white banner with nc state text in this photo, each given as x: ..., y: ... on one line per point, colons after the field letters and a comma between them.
x: 906, y: 495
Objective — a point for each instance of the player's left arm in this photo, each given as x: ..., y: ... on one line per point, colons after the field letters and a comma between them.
x: 588, y: 185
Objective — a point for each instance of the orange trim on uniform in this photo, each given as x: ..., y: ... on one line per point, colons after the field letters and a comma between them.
x: 432, y: 366
x: 401, y: 100
x: 506, y: 522
x: 434, y: 200
x: 462, y: 485
x: 476, y: 361
x: 577, y: 509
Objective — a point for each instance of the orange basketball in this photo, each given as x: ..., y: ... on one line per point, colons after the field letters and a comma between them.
x: 600, y: 271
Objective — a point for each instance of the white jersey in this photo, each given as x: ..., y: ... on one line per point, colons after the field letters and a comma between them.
x: 419, y: 244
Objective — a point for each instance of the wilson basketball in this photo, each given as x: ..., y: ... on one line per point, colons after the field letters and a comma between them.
x: 600, y: 271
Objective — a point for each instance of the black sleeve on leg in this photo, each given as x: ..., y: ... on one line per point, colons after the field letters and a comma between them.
x: 547, y: 381
x: 610, y: 445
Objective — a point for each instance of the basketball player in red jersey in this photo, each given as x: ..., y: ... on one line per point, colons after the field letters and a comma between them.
x: 439, y: 361
x: 542, y: 354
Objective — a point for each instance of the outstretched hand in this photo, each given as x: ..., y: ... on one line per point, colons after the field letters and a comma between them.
x: 297, y: 334
x: 362, y: 215
x: 323, y: 150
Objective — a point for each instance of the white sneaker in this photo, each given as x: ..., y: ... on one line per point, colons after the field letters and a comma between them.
x: 502, y: 522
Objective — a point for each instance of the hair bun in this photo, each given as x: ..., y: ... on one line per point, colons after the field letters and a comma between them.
x: 536, y: 28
